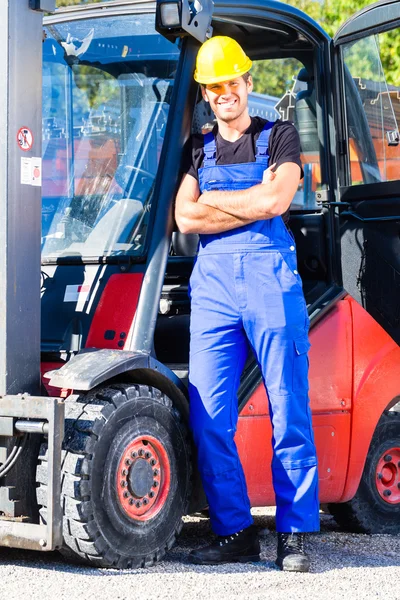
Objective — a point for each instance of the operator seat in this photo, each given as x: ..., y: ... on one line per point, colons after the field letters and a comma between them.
x: 184, y: 244
x: 203, y: 117
x: 305, y: 114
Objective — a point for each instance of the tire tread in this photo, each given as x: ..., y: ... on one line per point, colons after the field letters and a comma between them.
x: 355, y: 515
x: 83, y: 541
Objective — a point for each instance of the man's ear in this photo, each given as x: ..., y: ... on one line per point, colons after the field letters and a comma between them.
x: 204, y: 93
x: 250, y: 85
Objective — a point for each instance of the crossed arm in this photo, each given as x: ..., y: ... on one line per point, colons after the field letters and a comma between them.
x: 215, y: 212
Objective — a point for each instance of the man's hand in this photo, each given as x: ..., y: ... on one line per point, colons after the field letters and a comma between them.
x: 269, y: 174
x: 194, y: 217
x: 267, y: 200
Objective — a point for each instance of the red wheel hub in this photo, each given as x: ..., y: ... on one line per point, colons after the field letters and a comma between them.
x: 143, y: 478
x: 388, y: 476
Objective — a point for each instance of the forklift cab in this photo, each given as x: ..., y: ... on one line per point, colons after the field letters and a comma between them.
x: 119, y: 103
x: 107, y: 99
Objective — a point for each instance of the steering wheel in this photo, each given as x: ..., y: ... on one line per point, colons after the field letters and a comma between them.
x: 126, y: 175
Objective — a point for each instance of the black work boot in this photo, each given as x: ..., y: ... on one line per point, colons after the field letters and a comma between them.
x: 243, y: 546
x: 291, y: 555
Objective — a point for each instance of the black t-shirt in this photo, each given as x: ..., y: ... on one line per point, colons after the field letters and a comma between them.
x: 283, y: 146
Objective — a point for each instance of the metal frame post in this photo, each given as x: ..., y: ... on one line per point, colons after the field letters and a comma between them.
x: 20, y: 196
x: 20, y: 234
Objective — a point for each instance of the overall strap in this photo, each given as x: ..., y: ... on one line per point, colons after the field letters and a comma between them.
x: 262, y: 155
x: 210, y: 150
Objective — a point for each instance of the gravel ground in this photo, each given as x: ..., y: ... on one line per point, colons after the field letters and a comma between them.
x: 345, y: 565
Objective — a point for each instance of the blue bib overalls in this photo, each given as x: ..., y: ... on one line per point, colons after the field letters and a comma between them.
x: 245, y: 289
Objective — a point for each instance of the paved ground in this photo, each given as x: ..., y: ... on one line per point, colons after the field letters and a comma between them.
x: 348, y: 566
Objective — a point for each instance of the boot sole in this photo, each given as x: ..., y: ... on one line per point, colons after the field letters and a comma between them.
x: 239, y: 559
x: 298, y: 568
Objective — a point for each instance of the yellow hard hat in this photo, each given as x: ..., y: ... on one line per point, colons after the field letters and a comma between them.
x: 219, y: 59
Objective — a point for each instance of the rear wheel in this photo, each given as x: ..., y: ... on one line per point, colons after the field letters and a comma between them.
x: 375, y: 507
x: 126, y: 474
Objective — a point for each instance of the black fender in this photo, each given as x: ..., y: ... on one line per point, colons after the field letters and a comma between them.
x: 92, y: 367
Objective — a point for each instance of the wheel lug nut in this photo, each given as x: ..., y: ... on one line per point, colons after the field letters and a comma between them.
x: 134, y: 454
x: 124, y: 472
x: 124, y: 483
x: 147, y: 454
x: 140, y: 452
x: 155, y: 484
x: 131, y: 501
x: 380, y: 476
x: 128, y: 462
x: 151, y: 495
x: 145, y: 501
x: 387, y: 458
x: 387, y: 493
x: 155, y: 472
x: 138, y: 504
x: 126, y: 494
x: 153, y: 462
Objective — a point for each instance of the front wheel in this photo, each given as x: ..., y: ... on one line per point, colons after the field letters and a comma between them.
x: 126, y: 475
x: 375, y: 507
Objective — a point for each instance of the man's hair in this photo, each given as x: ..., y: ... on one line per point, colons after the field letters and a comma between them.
x: 245, y: 77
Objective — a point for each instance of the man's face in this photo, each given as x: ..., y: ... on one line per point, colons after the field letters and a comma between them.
x: 228, y: 99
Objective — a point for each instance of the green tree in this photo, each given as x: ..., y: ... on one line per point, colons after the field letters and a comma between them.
x: 331, y: 14
x: 275, y: 76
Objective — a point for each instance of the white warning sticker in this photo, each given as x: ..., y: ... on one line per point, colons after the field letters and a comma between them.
x: 31, y: 171
x: 73, y: 293
x: 26, y: 175
x: 25, y: 138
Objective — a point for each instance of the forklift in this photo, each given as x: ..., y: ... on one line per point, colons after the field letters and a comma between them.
x: 96, y: 457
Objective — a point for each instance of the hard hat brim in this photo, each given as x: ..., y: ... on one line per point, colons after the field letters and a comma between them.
x: 210, y: 80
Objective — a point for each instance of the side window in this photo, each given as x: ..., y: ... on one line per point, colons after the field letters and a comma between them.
x: 373, y: 109
x: 284, y: 89
x: 105, y: 107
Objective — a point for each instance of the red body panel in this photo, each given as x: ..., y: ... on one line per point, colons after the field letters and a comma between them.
x: 330, y: 386
x: 376, y: 387
x: 354, y: 377
x: 44, y: 368
x: 115, y: 312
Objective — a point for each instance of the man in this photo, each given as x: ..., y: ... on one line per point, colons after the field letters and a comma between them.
x: 245, y: 290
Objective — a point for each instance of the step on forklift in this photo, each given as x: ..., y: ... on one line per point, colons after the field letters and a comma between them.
x: 96, y: 458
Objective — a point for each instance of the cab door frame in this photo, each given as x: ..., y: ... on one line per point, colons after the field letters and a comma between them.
x: 368, y: 236
x: 368, y: 214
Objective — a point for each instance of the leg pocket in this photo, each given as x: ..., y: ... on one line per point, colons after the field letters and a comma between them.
x: 300, y: 364
x: 290, y: 272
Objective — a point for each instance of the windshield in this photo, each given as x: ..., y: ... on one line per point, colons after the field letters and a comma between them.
x: 106, y: 94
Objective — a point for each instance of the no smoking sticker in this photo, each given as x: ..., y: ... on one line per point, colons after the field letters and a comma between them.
x: 25, y: 138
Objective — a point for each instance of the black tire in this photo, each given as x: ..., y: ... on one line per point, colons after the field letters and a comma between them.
x: 98, y: 430
x: 368, y: 512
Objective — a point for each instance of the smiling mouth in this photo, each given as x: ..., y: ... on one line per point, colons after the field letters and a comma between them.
x: 227, y: 104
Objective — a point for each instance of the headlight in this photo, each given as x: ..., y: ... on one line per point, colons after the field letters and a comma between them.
x: 181, y: 18
x: 169, y: 12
